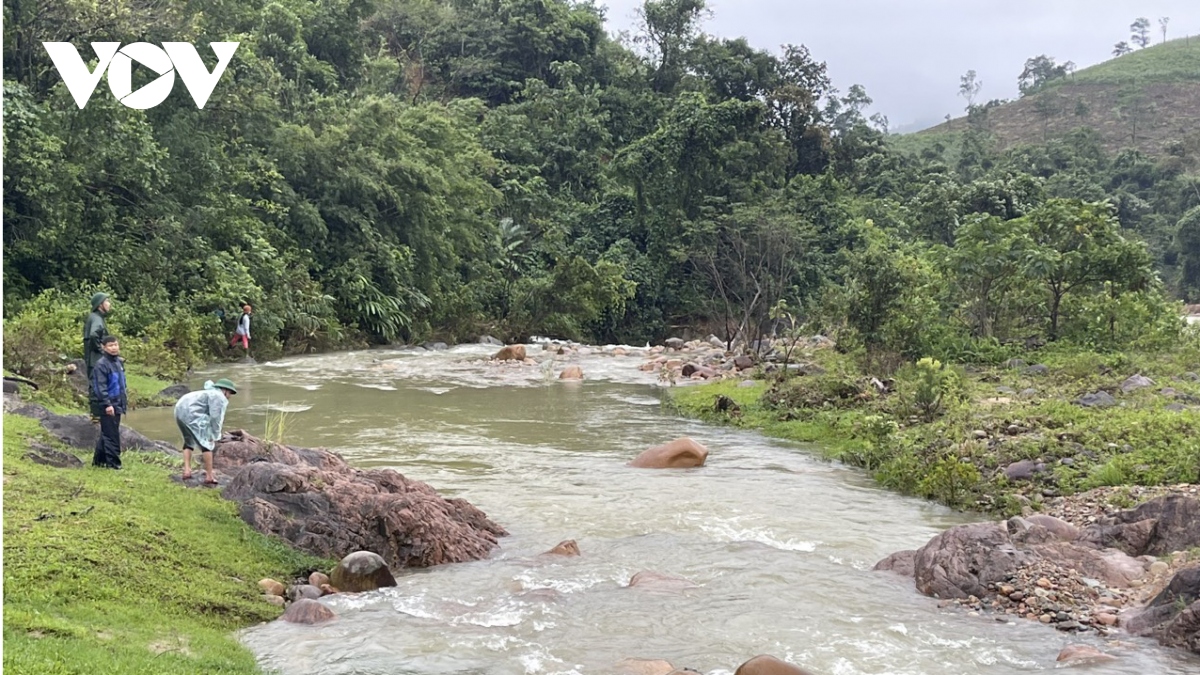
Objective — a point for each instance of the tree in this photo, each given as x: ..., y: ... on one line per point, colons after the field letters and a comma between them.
x: 1038, y: 71
x: 750, y: 260
x: 969, y: 87
x: 1141, y: 32
x: 1072, y: 247
x: 1121, y: 49
x: 1187, y: 238
x: 1133, y: 108
x: 1162, y: 23
x: 793, y: 109
x: 1047, y: 106
x: 669, y: 30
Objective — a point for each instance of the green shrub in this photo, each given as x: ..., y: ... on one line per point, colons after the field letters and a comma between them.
x: 47, y: 331
x: 949, y: 480
x: 930, y: 387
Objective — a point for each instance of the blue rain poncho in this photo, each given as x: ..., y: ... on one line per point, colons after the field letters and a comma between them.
x: 203, y: 413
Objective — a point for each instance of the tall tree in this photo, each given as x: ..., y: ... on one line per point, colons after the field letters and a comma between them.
x: 969, y: 87
x: 1121, y: 48
x: 1162, y: 23
x: 1140, y: 30
x: 669, y: 29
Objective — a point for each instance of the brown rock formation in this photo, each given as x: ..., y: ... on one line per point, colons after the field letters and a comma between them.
x: 681, y: 453
x: 510, y: 353
x: 564, y: 548
x: 308, y: 612
x: 769, y: 665
x: 1046, y: 568
x: 312, y: 499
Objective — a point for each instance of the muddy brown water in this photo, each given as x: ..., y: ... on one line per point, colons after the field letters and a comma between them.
x: 779, y: 544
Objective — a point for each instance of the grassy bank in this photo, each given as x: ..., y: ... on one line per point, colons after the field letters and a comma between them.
x: 127, y: 572
x: 956, y: 434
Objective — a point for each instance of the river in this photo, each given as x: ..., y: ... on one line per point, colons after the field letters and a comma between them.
x: 778, y: 543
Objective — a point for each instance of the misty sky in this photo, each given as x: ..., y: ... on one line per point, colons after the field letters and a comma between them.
x: 910, y: 54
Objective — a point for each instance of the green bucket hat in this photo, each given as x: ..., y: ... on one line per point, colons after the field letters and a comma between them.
x: 225, y: 384
x: 97, y: 299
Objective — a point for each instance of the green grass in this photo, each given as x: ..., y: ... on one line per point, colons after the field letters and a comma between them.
x: 831, y: 432
x: 127, y: 572
x: 1173, y: 61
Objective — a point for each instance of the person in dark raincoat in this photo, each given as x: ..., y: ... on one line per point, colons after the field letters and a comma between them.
x: 94, y: 329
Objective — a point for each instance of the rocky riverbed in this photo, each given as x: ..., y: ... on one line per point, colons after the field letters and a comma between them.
x: 1087, y: 565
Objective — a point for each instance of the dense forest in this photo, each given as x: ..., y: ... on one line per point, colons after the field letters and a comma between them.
x: 401, y: 170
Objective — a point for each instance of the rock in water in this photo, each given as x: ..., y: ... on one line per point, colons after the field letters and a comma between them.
x: 565, y: 548
x: 301, y: 591
x: 362, y: 571
x: 511, y: 353
x: 1083, y: 653
x: 644, y: 667
x: 308, y: 612
x: 769, y: 665
x: 174, y: 391
x: 681, y: 453
x: 656, y: 581
x: 313, y: 500
x: 571, y: 373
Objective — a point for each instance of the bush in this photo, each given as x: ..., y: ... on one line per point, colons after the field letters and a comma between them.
x: 46, y: 332
x: 930, y: 387
x: 815, y: 391
x: 949, y: 480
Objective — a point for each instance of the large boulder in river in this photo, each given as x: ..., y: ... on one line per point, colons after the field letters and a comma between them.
x: 963, y: 560
x: 361, y: 571
x: 510, y: 353
x: 769, y: 665
x: 681, y: 453
x: 571, y: 373
x: 313, y: 500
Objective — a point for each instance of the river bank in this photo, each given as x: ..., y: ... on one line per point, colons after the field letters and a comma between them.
x: 124, y: 571
x: 1003, y: 439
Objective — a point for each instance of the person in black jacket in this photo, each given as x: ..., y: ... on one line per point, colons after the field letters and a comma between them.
x: 93, y: 330
x: 108, y: 402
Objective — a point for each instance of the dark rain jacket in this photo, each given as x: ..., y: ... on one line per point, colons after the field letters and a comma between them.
x: 108, y: 386
x: 93, y: 330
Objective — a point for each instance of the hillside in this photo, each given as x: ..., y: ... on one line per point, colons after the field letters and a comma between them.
x: 1148, y: 99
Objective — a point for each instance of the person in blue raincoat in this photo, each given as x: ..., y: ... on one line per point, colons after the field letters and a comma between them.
x: 200, y: 415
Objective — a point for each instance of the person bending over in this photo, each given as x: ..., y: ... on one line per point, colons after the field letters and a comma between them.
x: 200, y: 415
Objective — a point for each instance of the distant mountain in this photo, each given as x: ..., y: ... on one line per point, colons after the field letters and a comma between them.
x: 1148, y: 99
